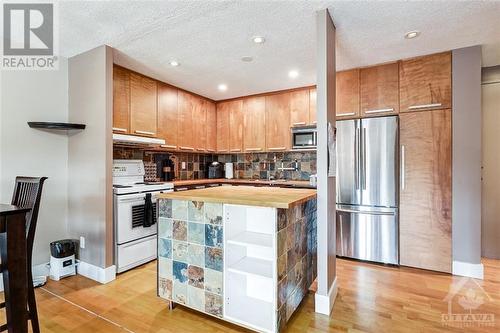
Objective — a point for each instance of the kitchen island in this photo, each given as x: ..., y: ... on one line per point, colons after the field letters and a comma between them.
x: 244, y: 254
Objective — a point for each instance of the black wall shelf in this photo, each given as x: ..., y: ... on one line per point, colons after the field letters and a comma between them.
x: 55, y: 126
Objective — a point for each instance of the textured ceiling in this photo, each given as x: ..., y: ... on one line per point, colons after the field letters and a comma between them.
x: 209, y: 38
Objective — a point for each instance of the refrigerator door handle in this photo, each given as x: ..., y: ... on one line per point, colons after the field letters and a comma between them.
x: 365, y: 212
x: 341, y: 236
x: 356, y: 159
x: 363, y: 174
x: 402, y: 167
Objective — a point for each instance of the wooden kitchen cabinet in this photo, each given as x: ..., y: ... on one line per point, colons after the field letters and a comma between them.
x: 425, y: 190
x: 379, y: 90
x: 211, y: 126
x: 168, y: 115
x: 186, y: 134
x: 121, y: 100
x: 278, y: 122
x: 223, y: 126
x: 143, y: 105
x: 425, y: 83
x: 299, y: 108
x: 347, y: 94
x: 236, y: 126
x: 254, y: 124
x: 199, y: 124
x: 312, y: 106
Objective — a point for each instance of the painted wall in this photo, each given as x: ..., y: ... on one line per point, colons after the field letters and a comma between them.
x: 491, y: 162
x: 90, y: 155
x: 36, y: 96
x: 466, y: 164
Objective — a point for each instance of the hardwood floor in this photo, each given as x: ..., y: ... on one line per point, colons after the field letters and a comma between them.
x: 371, y: 298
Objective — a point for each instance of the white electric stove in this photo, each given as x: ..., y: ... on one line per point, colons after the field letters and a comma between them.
x: 135, y: 238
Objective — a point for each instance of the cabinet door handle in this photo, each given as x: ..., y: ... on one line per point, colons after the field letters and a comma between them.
x: 200, y: 149
x: 253, y: 149
x: 315, y: 122
x: 186, y: 148
x: 424, y: 106
x: 211, y: 150
x: 235, y: 149
x: 118, y: 129
x: 345, y: 114
x: 221, y: 150
x: 380, y: 110
x: 277, y: 148
x: 403, y: 185
x: 144, y: 132
x: 168, y: 146
x: 299, y: 123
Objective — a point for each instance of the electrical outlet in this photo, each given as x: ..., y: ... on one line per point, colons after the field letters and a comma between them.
x: 82, y: 242
x: 183, y: 165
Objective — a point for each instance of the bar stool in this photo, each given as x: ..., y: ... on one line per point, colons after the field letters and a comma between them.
x: 27, y: 194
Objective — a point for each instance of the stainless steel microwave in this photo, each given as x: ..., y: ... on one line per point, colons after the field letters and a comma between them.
x: 304, y: 137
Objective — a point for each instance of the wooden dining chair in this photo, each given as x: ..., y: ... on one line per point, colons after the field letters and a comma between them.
x: 27, y: 194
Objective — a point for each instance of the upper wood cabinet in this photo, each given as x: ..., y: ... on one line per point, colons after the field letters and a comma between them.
x: 299, y: 108
x: 312, y: 106
x: 186, y: 135
x: 167, y: 115
x: 236, y: 126
x: 425, y: 190
x: 278, y: 122
x: 223, y: 126
x: 425, y: 82
x: 254, y: 124
x: 199, y: 124
x: 347, y: 94
x: 143, y: 105
x: 121, y: 100
x: 379, y: 90
x: 211, y: 126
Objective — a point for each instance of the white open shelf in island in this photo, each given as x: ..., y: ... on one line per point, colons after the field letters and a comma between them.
x: 250, y: 282
x: 252, y: 238
x: 253, y: 266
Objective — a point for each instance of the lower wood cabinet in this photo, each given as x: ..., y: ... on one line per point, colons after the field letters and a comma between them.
x: 425, y: 190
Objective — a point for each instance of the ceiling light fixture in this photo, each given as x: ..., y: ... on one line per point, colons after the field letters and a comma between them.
x: 258, y: 39
x: 246, y: 59
x: 293, y: 74
x: 222, y: 87
x: 174, y: 63
x: 412, y: 34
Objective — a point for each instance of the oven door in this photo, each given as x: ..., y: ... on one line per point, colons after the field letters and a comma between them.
x: 129, y: 217
x: 304, y: 139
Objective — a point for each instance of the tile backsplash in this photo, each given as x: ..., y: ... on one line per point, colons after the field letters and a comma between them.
x: 246, y: 166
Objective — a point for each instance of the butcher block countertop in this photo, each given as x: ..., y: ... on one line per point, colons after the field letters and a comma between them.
x: 298, y: 183
x: 246, y: 195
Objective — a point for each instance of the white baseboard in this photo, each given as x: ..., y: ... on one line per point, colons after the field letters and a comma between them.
x: 475, y: 271
x: 99, y: 274
x: 38, y: 270
x: 324, y: 303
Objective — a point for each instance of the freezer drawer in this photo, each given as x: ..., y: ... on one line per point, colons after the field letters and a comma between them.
x: 368, y: 234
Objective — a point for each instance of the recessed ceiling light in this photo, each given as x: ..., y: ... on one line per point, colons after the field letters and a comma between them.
x: 174, y: 63
x: 293, y: 74
x: 246, y: 58
x: 222, y: 87
x: 412, y: 34
x: 258, y: 39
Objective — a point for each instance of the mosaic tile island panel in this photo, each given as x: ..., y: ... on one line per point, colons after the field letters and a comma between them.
x: 190, y: 255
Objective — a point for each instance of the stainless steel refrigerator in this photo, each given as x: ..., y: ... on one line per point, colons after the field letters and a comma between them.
x: 367, y: 183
